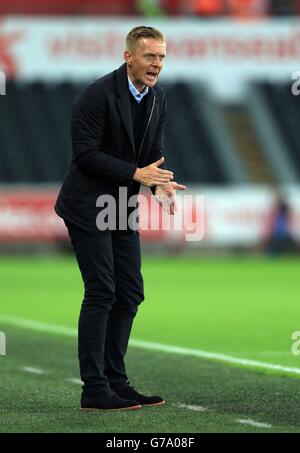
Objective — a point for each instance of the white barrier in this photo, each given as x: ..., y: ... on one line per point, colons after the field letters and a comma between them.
x: 231, y: 217
x: 224, y: 53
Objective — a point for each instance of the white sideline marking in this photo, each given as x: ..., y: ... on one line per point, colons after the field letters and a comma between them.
x: 71, y: 332
x: 213, y: 356
x: 29, y: 369
x: 75, y: 381
x: 191, y: 407
x: 38, y: 326
x: 248, y: 421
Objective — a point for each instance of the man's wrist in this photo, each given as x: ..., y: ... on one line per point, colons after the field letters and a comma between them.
x: 137, y: 175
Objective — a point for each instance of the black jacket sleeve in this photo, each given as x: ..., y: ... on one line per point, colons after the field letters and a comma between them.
x: 87, y: 128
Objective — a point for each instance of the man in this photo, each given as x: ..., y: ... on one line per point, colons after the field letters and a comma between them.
x: 117, y: 125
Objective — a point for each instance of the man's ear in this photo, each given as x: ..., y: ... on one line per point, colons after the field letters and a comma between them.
x: 128, y: 57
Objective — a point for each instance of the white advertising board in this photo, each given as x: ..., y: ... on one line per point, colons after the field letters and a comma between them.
x: 224, y: 53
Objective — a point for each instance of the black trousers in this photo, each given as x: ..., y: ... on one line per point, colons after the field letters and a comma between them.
x: 110, y: 265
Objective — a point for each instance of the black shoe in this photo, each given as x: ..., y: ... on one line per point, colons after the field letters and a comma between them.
x: 108, y: 403
x: 129, y: 392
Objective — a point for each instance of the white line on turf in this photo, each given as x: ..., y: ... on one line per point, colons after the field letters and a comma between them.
x: 69, y: 331
x: 248, y: 421
x: 38, y: 326
x: 213, y: 356
x: 75, y: 381
x: 29, y: 369
x: 191, y: 407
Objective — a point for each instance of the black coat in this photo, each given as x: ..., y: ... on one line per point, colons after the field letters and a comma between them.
x: 104, y: 155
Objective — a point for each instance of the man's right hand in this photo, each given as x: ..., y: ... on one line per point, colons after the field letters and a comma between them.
x: 152, y: 175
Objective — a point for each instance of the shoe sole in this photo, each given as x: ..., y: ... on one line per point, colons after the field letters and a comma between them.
x: 92, y: 409
x: 154, y: 404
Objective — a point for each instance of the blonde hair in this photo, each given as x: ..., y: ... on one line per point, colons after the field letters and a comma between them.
x: 133, y: 37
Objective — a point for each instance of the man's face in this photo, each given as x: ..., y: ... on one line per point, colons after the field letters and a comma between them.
x: 145, y: 62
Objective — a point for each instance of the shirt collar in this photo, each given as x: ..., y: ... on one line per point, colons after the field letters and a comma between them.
x: 137, y: 95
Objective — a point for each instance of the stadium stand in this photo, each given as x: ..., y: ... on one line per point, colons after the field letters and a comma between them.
x: 247, y: 143
x: 201, y: 8
x: 39, y: 149
x: 71, y: 7
x: 187, y: 140
x: 284, y: 7
x: 247, y: 8
x: 280, y: 101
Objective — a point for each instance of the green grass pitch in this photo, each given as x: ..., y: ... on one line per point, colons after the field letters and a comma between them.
x: 243, y: 308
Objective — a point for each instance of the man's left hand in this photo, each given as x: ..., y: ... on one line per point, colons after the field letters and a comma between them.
x: 166, y: 196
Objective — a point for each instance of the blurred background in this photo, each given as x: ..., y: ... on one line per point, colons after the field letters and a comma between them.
x: 232, y: 131
x: 232, y: 77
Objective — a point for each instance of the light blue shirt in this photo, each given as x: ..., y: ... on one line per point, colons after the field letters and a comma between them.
x: 137, y: 95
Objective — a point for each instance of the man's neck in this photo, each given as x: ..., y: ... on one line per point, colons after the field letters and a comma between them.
x: 139, y: 87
